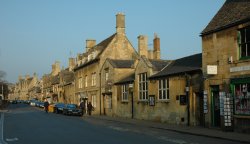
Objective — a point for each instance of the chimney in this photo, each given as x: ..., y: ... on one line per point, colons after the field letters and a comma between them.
x: 143, y: 45
x: 20, y: 77
x: 150, y: 54
x: 120, y: 23
x: 89, y: 44
x: 157, y: 52
x: 72, y: 63
x: 55, y: 68
x: 27, y: 77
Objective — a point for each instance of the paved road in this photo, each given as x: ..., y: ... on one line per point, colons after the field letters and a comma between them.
x: 24, y: 124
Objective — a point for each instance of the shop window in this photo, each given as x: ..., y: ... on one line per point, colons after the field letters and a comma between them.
x: 244, y: 43
x: 242, y: 99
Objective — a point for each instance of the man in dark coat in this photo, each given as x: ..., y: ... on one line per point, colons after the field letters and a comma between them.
x: 90, y: 108
x: 46, y: 106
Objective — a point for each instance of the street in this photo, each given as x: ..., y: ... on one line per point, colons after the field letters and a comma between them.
x: 23, y: 124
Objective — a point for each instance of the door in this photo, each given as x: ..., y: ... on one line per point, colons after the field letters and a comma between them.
x: 215, y: 106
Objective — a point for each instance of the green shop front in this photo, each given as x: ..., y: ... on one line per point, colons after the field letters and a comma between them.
x: 240, y: 91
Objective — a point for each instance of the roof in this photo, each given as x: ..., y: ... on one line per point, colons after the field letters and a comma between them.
x: 233, y: 12
x: 159, y: 64
x: 99, y: 47
x: 67, y: 76
x: 182, y: 65
x: 55, y: 80
x: 129, y: 79
x: 121, y: 63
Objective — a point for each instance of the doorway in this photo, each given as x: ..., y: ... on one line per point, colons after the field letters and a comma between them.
x: 215, y: 106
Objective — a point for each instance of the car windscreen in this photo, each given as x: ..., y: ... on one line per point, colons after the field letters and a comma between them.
x: 71, y: 106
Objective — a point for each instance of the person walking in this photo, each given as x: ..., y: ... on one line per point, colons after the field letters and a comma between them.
x: 46, y: 106
x: 90, y: 108
x: 82, y: 106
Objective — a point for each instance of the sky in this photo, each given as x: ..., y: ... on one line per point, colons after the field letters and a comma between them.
x: 36, y: 33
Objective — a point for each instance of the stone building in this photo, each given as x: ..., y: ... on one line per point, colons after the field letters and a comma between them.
x: 67, y: 84
x: 89, y: 63
x: 175, y: 94
x: 226, y: 67
x: 50, y: 83
x: 114, y: 71
x: 24, y: 88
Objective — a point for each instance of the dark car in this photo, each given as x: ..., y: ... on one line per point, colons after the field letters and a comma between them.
x: 72, y: 109
x: 58, y: 108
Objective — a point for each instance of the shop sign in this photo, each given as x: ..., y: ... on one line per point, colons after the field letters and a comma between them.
x: 240, y: 68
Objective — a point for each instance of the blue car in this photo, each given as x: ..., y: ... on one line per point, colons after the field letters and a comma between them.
x: 72, y: 109
x: 58, y: 108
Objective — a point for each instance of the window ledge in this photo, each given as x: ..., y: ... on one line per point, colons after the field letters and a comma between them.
x: 124, y: 101
x: 163, y: 101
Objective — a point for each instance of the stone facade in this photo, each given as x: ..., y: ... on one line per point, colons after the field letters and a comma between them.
x: 89, y: 64
x: 226, y: 67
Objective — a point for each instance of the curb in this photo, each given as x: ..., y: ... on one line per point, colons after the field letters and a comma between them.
x: 174, y: 130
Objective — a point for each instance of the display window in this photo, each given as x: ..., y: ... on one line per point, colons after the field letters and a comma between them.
x: 242, y: 99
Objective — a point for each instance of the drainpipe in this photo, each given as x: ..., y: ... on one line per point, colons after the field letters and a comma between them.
x: 100, y: 96
x: 187, y: 97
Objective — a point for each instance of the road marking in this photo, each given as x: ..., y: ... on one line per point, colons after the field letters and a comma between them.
x: 12, y: 139
x: 1, y: 126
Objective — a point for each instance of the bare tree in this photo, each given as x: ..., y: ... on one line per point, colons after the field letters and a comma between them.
x: 2, y: 75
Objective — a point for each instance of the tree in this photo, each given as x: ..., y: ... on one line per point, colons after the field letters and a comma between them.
x: 2, y: 75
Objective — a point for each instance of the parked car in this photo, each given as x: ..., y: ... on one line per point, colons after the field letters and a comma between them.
x: 33, y: 102
x: 72, y: 109
x: 58, y: 107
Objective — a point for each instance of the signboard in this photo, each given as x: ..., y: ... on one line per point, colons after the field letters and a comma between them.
x: 152, y: 100
x: 183, y: 100
x: 205, y: 107
x: 212, y: 69
x: 240, y: 68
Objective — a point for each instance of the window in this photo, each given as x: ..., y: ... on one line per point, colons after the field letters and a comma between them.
x: 242, y: 99
x: 93, y: 80
x: 86, y: 81
x: 143, y: 86
x: 93, y: 100
x: 125, y: 92
x: 106, y: 75
x: 244, y: 43
x: 163, y: 89
x: 80, y: 82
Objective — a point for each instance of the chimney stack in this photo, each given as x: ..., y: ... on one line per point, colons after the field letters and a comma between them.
x: 90, y: 43
x: 72, y: 63
x: 143, y: 45
x: 120, y: 23
x: 157, y: 52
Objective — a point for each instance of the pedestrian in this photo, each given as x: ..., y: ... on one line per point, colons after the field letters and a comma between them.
x: 90, y: 108
x: 46, y: 106
x: 82, y: 106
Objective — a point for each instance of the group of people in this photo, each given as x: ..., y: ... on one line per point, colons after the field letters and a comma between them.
x: 90, y: 108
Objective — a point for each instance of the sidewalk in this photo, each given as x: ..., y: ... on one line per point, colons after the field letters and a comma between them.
x: 193, y: 130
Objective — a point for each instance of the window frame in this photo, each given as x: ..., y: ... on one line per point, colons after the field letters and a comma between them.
x: 163, y: 89
x: 125, y: 93
x: 243, y: 35
x: 143, y: 87
x: 93, y: 79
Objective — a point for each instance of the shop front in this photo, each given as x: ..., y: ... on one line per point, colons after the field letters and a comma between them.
x: 240, y: 89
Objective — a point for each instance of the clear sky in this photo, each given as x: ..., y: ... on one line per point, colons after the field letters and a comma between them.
x: 36, y: 33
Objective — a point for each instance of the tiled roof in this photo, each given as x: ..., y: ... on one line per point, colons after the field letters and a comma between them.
x: 121, y: 63
x: 99, y: 47
x: 232, y: 13
x: 67, y: 76
x: 129, y: 79
x: 159, y: 64
x: 182, y: 65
